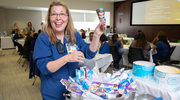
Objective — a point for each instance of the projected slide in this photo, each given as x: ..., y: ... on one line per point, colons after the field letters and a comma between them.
x: 156, y: 12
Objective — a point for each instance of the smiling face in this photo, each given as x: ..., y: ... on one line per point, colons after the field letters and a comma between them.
x: 58, y: 19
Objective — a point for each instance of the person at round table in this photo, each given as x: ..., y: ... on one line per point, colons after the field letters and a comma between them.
x: 162, y: 47
x: 82, y: 32
x: 91, y: 36
x: 118, y: 42
x: 156, y: 39
x: 88, y: 40
x: 14, y: 27
x: 18, y: 34
x: 51, y: 55
x: 30, y: 27
x: 141, y: 42
x: 27, y: 44
x: 104, y: 48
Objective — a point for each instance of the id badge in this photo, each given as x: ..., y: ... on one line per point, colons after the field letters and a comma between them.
x: 71, y: 48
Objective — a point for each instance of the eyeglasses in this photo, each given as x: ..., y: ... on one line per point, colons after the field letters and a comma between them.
x: 59, y: 46
x: 62, y: 15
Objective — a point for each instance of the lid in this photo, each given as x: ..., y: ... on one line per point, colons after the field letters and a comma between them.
x: 168, y: 69
x: 144, y: 63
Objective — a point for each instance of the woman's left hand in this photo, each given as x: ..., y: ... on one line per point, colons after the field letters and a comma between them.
x: 100, y: 29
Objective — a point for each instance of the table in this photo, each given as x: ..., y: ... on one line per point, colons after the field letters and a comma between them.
x: 151, y: 87
x: 175, y: 55
x: 101, y: 61
x: 130, y: 40
x: 125, y: 50
x: 21, y: 41
x: 6, y: 42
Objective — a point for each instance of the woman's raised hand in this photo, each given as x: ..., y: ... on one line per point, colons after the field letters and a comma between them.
x: 100, y: 29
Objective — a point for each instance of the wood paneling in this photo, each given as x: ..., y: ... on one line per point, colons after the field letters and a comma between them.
x: 172, y: 32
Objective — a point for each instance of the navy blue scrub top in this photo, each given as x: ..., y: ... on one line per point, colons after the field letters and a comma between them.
x: 45, y: 52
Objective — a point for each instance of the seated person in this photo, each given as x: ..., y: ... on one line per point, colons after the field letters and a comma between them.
x: 18, y: 35
x: 87, y: 32
x: 14, y: 27
x: 24, y: 33
x: 117, y: 42
x: 155, y: 40
x: 135, y: 36
x: 27, y: 44
x: 90, y: 38
x: 104, y: 48
x: 82, y: 32
x: 141, y: 42
x: 162, y: 47
x: 119, y: 45
x: 33, y: 40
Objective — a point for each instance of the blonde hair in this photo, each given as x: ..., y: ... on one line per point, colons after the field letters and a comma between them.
x: 69, y: 30
x: 24, y: 33
x: 156, y: 39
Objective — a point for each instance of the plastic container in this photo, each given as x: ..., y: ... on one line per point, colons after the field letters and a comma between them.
x: 143, y: 68
x: 77, y: 97
x: 167, y: 76
x: 74, y: 96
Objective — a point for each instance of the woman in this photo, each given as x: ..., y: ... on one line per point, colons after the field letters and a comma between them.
x: 141, y: 42
x: 119, y: 46
x: 117, y: 41
x: 155, y: 40
x: 14, y: 27
x: 82, y: 32
x: 51, y: 55
x: 24, y: 33
x: 162, y: 47
x: 30, y: 27
x: 27, y: 44
x: 104, y: 48
x: 17, y: 35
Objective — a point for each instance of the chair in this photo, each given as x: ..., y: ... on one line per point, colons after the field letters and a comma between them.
x: 116, y: 57
x: 135, y: 54
x: 34, y: 71
x: 166, y: 58
x: 15, y: 44
x: 21, y: 50
x: 22, y: 54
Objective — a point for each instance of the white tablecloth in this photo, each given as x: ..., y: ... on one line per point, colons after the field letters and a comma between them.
x: 176, y: 54
x: 151, y: 87
x: 21, y: 41
x: 6, y: 43
x: 128, y: 39
x: 102, y: 61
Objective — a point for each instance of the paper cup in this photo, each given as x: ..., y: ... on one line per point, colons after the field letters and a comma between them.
x: 143, y: 68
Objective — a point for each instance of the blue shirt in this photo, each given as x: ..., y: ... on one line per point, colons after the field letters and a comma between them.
x: 118, y: 44
x: 162, y: 49
x: 104, y: 49
x: 45, y: 52
x: 18, y: 36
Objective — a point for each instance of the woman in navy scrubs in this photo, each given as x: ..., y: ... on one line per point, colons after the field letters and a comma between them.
x: 51, y: 55
x: 104, y: 45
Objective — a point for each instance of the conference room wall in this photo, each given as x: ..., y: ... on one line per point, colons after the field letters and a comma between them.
x: 123, y: 26
x: 22, y: 17
x: 73, y: 4
x: 2, y: 20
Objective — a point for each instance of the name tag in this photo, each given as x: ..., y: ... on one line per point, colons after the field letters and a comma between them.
x: 71, y: 48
